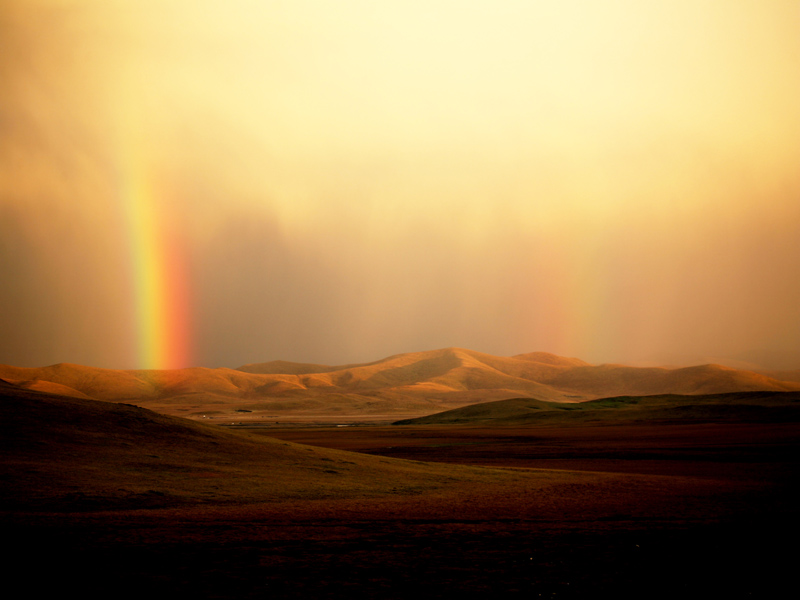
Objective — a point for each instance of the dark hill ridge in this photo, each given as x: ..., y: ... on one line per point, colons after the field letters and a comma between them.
x: 410, y: 384
x: 777, y: 407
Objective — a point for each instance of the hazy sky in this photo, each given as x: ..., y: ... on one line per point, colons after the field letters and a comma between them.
x: 343, y: 180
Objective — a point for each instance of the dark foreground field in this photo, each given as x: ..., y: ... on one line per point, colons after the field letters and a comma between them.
x: 584, y: 541
x: 668, y: 510
x: 710, y: 509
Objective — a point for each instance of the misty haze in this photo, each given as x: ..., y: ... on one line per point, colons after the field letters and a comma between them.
x: 400, y: 299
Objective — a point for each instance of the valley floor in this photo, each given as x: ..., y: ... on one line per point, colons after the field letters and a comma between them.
x: 663, y: 511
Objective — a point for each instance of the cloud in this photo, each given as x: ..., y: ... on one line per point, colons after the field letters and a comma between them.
x: 355, y: 180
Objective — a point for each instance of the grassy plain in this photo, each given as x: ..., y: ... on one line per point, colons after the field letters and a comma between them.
x: 109, y: 499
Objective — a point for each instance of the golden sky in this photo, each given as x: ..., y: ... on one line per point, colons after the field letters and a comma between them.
x: 613, y: 180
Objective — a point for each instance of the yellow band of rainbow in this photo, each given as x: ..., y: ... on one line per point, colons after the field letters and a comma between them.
x: 160, y: 280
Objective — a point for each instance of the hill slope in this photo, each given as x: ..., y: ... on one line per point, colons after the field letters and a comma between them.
x: 750, y: 407
x: 410, y: 384
x: 63, y: 453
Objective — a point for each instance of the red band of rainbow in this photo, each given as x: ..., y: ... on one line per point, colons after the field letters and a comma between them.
x: 160, y: 280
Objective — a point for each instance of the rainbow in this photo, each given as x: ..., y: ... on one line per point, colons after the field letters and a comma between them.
x: 159, y: 277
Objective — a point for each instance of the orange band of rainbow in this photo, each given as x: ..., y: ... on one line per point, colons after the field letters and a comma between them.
x: 159, y: 278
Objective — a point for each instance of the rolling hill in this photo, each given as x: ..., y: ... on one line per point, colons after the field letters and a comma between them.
x: 403, y: 385
x: 748, y: 407
x: 71, y: 454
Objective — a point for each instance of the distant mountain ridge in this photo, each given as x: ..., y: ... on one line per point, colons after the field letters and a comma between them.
x: 412, y: 383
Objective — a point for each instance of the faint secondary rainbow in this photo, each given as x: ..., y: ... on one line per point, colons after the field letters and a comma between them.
x: 160, y: 281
